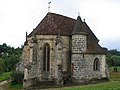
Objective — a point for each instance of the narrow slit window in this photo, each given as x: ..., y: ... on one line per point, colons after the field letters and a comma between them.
x: 46, y: 57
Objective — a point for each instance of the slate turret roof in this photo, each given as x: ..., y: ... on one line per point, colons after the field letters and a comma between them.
x: 67, y: 26
x: 78, y: 28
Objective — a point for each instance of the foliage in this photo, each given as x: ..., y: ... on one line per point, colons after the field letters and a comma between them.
x: 9, y: 56
x: 5, y: 76
x: 15, y: 87
x: 17, y: 77
x: 113, y: 58
x: 114, y: 52
x: 112, y: 68
x: 2, y: 66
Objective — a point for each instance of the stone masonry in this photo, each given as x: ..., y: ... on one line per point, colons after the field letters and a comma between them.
x: 61, y: 49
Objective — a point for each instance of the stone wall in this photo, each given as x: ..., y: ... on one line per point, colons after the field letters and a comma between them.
x: 83, y: 67
x: 89, y: 66
x: 79, y: 43
x: 81, y: 63
x: 33, y: 56
x: 78, y: 67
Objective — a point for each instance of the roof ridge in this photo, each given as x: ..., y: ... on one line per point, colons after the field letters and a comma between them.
x: 61, y: 15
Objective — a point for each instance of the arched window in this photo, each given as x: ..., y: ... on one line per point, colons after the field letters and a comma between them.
x: 96, y: 65
x: 46, y: 57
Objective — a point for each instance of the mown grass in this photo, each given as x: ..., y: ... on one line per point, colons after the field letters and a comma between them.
x: 114, y: 76
x: 5, y: 76
x: 112, y: 85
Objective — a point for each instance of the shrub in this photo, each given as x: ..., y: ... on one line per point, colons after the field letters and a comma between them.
x: 17, y: 77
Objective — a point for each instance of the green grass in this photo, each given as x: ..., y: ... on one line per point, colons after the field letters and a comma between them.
x: 5, y: 76
x: 115, y: 76
x: 112, y: 85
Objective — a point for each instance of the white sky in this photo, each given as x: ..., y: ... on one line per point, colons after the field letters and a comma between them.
x: 19, y: 16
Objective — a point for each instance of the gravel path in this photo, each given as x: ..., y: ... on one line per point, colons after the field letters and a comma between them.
x: 2, y: 83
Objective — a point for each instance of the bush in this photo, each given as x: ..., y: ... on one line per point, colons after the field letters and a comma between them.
x: 17, y: 77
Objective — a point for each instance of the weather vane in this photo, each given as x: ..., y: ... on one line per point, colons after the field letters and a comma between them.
x: 49, y: 6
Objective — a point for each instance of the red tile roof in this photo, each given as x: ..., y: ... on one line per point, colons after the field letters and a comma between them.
x: 52, y: 23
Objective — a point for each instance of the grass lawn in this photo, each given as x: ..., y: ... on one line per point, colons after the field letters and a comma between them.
x: 112, y: 85
x: 5, y: 76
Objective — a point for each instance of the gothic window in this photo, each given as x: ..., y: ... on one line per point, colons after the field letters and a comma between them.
x: 46, y: 57
x: 96, y: 65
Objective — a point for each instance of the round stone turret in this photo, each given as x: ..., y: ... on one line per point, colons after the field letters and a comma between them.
x: 79, y: 37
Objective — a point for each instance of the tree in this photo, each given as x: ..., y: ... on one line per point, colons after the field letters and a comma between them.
x: 2, y: 66
x: 9, y: 56
x: 113, y: 57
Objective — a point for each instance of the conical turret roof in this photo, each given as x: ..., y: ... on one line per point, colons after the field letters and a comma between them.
x: 79, y: 28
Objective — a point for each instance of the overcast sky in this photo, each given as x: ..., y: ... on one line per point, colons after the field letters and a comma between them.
x: 19, y: 16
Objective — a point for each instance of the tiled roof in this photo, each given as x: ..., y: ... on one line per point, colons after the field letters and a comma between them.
x: 52, y: 23
x: 92, y: 41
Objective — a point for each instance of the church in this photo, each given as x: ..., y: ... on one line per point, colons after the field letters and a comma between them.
x: 62, y: 49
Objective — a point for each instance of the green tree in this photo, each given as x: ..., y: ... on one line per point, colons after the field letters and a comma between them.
x: 9, y: 57
x: 2, y: 66
x: 113, y: 57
